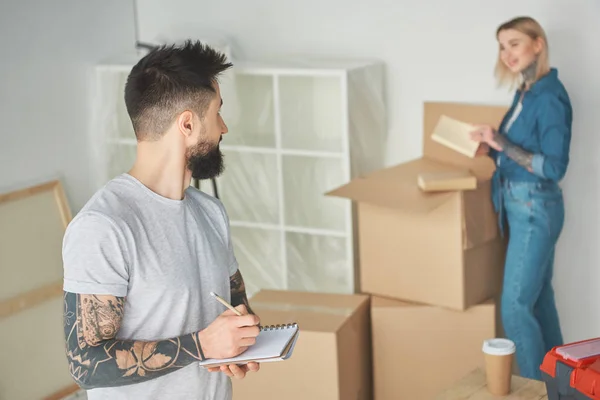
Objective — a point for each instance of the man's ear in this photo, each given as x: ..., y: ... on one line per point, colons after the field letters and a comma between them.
x: 185, y: 123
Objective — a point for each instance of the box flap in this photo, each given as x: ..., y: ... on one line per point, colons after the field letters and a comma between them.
x: 397, y: 187
x: 483, y: 167
x: 317, y: 312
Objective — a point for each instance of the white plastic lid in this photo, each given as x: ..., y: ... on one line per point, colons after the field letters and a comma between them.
x: 580, y: 350
x: 499, y: 347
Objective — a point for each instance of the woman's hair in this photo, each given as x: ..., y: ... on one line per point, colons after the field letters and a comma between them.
x: 534, y: 30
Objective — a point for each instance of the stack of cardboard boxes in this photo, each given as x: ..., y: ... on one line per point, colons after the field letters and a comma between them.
x: 430, y: 268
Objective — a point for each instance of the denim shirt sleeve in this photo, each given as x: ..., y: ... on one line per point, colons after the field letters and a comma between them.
x: 554, y: 126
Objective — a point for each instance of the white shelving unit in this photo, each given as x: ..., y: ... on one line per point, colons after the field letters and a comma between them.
x: 296, y: 131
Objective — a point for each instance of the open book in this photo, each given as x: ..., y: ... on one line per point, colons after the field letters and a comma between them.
x: 273, y: 343
x: 455, y: 135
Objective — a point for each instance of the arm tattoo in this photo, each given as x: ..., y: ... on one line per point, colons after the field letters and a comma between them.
x: 514, y: 152
x: 238, y: 291
x: 97, y: 359
x: 102, y: 317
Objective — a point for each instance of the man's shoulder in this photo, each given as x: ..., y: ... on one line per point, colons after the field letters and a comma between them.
x: 206, y: 201
x: 111, y: 204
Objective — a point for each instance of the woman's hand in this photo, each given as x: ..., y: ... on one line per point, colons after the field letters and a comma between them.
x: 483, y: 149
x: 485, y: 134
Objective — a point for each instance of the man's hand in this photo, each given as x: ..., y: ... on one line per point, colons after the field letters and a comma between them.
x: 229, y: 335
x: 241, y: 337
x: 236, y: 371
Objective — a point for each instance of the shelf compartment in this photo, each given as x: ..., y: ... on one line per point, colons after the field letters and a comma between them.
x: 317, y: 263
x: 248, y: 187
x: 111, y: 116
x: 268, y: 150
x: 311, y: 113
x: 305, y: 181
x: 124, y: 124
x: 120, y: 159
x: 251, y: 117
x: 258, y: 252
x: 289, y: 228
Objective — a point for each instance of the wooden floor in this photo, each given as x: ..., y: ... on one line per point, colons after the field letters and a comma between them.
x: 473, y: 387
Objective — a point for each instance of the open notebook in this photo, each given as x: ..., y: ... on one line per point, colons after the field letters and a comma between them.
x: 273, y: 343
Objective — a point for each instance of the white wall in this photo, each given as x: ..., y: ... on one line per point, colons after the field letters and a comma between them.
x: 435, y: 50
x: 47, y: 50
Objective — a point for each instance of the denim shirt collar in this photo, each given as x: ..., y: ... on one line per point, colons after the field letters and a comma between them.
x: 543, y: 83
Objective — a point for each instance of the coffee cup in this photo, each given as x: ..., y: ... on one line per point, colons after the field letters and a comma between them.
x: 499, y: 354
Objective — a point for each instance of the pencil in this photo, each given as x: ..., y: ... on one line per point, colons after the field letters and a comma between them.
x: 226, y: 304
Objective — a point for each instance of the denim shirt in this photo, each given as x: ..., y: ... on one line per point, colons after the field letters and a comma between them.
x: 543, y: 128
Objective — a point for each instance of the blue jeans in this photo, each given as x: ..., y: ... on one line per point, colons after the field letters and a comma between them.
x: 535, y: 216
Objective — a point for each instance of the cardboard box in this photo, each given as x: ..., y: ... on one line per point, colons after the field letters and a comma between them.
x: 419, y: 350
x: 440, y: 248
x: 332, y: 358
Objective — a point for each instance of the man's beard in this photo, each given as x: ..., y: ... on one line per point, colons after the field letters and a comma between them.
x: 205, y: 160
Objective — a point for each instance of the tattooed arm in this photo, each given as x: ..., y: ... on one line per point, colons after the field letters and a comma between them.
x: 554, y: 121
x: 96, y: 359
x: 514, y: 152
x: 238, y: 291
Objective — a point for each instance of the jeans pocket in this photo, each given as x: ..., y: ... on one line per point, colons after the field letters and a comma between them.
x: 518, y: 194
x: 548, y: 205
x: 547, y: 195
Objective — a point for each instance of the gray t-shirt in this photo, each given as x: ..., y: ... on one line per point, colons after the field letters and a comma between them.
x: 165, y: 256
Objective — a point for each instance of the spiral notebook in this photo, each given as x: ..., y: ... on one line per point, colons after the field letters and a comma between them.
x: 273, y: 343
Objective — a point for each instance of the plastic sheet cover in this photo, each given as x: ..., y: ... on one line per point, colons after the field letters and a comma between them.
x: 300, y: 132
x: 296, y: 132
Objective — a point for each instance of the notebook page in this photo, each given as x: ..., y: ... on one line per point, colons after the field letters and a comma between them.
x: 269, y: 343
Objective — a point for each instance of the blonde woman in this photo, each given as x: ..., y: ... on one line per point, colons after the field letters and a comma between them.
x: 531, y: 151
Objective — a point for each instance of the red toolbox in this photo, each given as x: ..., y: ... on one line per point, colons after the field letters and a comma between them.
x: 587, y: 381
x: 565, y: 371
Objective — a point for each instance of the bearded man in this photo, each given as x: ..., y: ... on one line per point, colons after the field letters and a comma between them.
x: 142, y: 256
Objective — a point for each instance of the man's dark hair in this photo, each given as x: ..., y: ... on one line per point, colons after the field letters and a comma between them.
x: 169, y: 80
